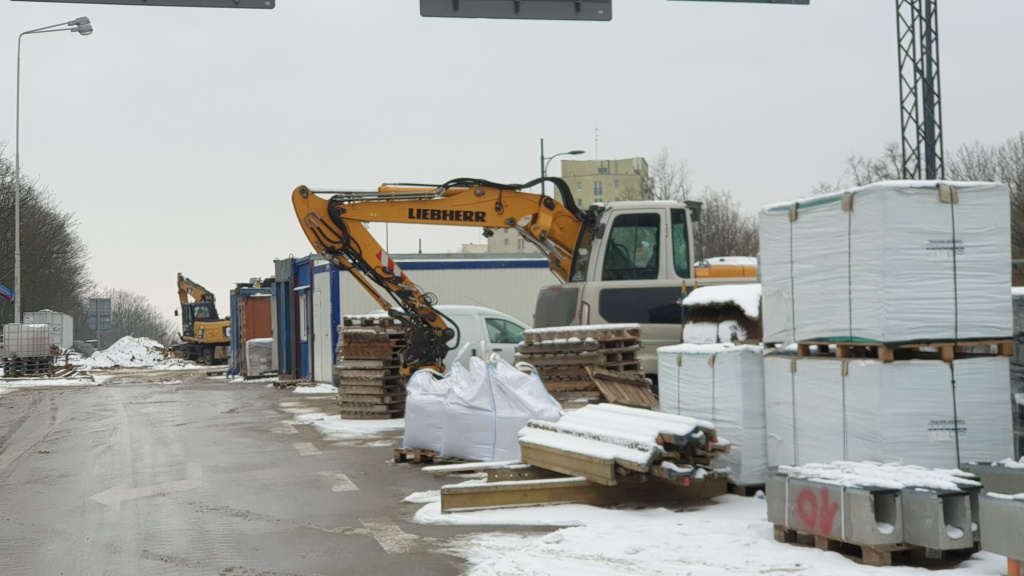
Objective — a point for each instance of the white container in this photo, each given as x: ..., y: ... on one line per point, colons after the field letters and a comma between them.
x: 724, y: 384
x: 62, y: 326
x: 26, y: 340
x: 879, y: 263
x: 828, y: 409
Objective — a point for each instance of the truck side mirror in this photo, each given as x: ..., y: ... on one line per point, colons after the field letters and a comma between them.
x: 695, y: 209
x: 600, y: 231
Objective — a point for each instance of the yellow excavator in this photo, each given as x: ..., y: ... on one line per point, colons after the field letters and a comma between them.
x: 616, y: 262
x: 206, y: 337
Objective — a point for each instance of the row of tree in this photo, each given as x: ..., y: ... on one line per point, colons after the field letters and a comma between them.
x: 54, y: 265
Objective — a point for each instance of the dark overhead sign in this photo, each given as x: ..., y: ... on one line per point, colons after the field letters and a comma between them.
x: 755, y: 1
x: 519, y: 9
x: 185, y: 3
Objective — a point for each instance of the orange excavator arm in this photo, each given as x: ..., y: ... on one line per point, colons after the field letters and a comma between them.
x: 334, y: 226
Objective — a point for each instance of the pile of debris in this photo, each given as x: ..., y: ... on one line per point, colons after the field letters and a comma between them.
x: 592, y: 363
x: 599, y: 454
x: 369, y: 371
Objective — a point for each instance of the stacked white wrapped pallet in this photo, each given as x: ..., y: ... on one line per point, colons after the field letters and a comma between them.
x: 259, y: 354
x: 823, y: 409
x: 723, y: 384
x: 890, y: 262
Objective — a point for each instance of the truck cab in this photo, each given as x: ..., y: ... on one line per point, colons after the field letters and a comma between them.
x: 635, y: 268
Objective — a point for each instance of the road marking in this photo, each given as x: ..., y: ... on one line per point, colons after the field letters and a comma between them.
x: 114, y: 496
x: 306, y: 449
x: 390, y: 536
x: 285, y: 429
x: 342, y: 483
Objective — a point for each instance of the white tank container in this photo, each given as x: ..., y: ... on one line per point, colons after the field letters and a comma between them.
x: 62, y: 326
x: 26, y: 340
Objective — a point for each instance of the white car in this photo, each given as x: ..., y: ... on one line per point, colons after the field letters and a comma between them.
x: 486, y: 330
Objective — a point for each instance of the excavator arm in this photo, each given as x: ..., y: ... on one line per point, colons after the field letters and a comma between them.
x: 335, y: 227
x: 187, y: 288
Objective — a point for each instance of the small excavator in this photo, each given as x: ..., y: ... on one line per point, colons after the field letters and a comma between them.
x: 205, y: 336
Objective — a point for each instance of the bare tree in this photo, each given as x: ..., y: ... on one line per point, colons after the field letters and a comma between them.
x: 885, y: 167
x: 54, y: 272
x: 723, y: 229
x: 133, y: 315
x: 669, y: 181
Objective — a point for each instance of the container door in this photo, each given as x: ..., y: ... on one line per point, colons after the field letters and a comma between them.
x: 323, y: 357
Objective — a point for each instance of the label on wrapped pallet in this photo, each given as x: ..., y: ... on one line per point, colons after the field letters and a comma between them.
x: 944, y: 430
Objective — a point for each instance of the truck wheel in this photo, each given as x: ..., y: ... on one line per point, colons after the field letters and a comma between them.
x: 208, y: 356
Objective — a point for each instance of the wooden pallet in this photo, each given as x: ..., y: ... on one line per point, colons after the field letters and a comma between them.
x: 350, y: 414
x: 417, y: 456
x: 946, y: 351
x: 870, y: 555
x: 28, y: 367
x: 380, y: 321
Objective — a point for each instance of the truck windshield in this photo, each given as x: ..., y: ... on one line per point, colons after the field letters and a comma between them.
x: 632, y: 250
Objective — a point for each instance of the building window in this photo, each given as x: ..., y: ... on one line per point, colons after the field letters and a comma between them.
x: 506, y: 241
x: 521, y: 244
x: 598, y: 188
x: 616, y: 184
x: 579, y: 201
x: 602, y: 170
x: 579, y: 185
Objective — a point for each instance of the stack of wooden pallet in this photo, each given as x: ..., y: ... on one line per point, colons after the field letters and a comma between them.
x: 589, y: 362
x: 368, y: 372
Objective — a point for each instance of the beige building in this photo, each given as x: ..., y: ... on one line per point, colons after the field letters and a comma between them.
x: 607, y: 180
x: 589, y: 181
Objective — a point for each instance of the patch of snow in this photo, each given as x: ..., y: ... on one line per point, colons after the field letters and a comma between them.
x: 22, y: 383
x: 729, y: 536
x: 746, y: 297
x: 132, y: 352
x: 885, y: 528
x: 423, y: 497
x: 954, y: 532
x: 1017, y: 290
x: 335, y: 428
x: 878, y: 475
x: 1010, y: 463
x: 320, y: 388
x: 1006, y: 496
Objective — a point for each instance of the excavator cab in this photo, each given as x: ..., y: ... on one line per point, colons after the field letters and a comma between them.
x: 196, y: 312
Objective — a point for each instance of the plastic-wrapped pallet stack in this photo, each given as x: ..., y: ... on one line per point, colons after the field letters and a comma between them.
x: 904, y: 275
x: 724, y: 384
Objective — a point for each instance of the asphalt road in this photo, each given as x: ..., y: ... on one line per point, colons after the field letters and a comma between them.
x: 157, y: 473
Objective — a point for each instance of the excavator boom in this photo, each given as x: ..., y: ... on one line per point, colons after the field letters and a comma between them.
x: 334, y: 226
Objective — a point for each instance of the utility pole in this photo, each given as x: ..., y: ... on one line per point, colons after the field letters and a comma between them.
x: 917, y: 35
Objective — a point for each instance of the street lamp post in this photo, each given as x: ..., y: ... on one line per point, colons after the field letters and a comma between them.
x: 83, y: 27
x: 545, y: 160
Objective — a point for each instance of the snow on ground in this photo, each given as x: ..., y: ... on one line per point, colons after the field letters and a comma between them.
x: 132, y: 352
x: 728, y: 536
x: 22, y: 383
x: 320, y: 388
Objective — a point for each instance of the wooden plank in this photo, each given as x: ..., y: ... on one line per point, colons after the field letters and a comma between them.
x: 370, y: 387
x: 597, y: 470
x: 462, y: 497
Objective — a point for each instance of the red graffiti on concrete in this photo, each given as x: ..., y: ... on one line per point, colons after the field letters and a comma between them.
x: 816, y: 515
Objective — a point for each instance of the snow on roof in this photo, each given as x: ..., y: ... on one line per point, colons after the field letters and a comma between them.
x: 1010, y: 463
x: 745, y: 296
x: 927, y: 186
x: 1017, y: 290
x: 721, y: 348
x: 878, y: 475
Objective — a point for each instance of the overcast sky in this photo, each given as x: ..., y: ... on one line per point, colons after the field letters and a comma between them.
x: 178, y: 134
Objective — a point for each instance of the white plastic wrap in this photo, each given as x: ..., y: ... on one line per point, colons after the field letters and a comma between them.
x: 885, y: 269
x: 259, y: 354
x: 831, y: 409
x: 424, y: 407
x: 482, y: 419
x: 724, y: 384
